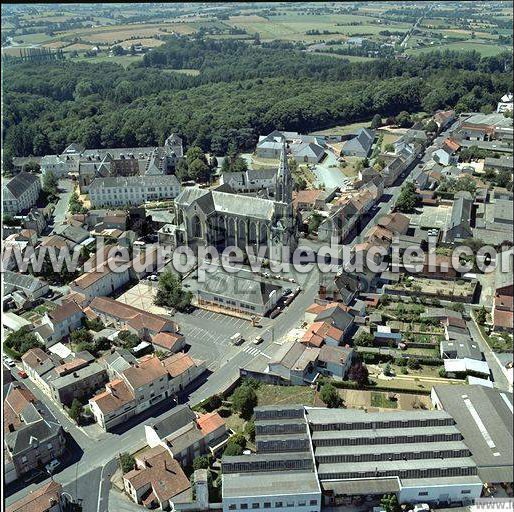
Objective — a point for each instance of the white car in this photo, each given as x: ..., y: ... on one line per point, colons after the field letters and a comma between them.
x: 257, y: 340
x: 52, y: 466
x: 9, y: 362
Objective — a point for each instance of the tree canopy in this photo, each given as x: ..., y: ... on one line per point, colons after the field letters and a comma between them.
x: 170, y: 293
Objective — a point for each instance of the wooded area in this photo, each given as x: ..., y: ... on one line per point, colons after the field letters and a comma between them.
x: 242, y: 91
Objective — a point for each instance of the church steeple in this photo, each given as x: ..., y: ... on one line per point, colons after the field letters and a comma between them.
x: 284, y: 186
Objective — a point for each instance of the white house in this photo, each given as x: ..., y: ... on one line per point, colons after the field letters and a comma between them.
x: 55, y: 164
x: 20, y: 193
x: 505, y: 104
x: 132, y: 190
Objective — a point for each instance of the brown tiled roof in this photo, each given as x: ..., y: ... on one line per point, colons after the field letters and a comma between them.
x: 456, y: 322
x: 28, y: 233
x: 34, y: 357
x: 136, y: 318
x: 16, y: 400
x: 318, y: 331
x: 168, y: 340
x: 307, y: 196
x: 56, y: 241
x: 380, y: 233
x: 147, y: 370
x: 38, y: 500
x: 65, y: 310
x: 503, y: 318
x: 116, y: 395
x: 504, y: 301
x: 70, y: 366
x: 178, y: 363
x: 210, y: 422
x: 395, y: 222
x: 315, y: 309
x: 161, y: 472
x: 78, y: 298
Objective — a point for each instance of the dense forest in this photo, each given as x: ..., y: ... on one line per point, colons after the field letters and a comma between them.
x: 242, y: 91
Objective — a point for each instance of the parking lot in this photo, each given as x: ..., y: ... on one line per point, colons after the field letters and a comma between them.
x: 209, y: 335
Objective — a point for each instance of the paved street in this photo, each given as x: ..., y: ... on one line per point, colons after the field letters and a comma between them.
x: 500, y: 381
x: 65, y: 192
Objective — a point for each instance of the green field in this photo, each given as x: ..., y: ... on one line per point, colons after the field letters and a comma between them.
x: 343, y: 129
x: 294, y: 26
x: 485, y: 49
x: 124, y: 60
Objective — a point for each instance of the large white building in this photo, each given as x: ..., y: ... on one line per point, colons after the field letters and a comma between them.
x: 20, y: 193
x: 55, y: 164
x: 132, y: 190
x: 505, y: 104
x: 309, y: 457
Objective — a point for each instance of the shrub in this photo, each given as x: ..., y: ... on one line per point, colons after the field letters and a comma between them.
x: 127, y: 462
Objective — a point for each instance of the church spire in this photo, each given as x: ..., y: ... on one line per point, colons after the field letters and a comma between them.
x: 284, y: 187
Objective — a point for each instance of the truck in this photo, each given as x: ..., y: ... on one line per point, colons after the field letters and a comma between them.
x: 236, y: 339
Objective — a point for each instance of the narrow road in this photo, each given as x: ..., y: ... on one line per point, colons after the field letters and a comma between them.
x: 500, y: 380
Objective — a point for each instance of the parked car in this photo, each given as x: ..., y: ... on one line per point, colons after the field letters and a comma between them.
x: 52, y: 466
x: 236, y: 339
x: 9, y: 362
x: 23, y: 374
x: 257, y: 340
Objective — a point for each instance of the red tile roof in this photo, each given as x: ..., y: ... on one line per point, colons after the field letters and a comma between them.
x: 168, y: 340
x: 116, y: 395
x: 39, y: 500
x: 179, y: 363
x: 503, y: 319
x: 146, y: 371
x: 210, y: 422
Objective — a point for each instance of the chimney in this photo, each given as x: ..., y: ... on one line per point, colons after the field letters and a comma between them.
x: 11, y: 427
x: 75, y: 374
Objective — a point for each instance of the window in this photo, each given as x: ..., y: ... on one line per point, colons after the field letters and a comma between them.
x: 255, y: 505
x: 278, y: 504
x: 232, y: 507
x: 267, y: 504
x: 244, y: 506
x: 290, y: 504
x: 313, y: 502
x: 423, y: 493
x: 465, y: 491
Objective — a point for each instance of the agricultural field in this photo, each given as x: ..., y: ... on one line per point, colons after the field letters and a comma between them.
x: 484, y: 48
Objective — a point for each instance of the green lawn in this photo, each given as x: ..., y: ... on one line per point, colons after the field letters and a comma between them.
x: 344, y: 129
x: 190, y: 72
x: 382, y: 400
x: 272, y: 395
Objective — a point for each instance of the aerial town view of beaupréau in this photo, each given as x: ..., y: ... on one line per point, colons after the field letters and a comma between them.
x: 257, y: 256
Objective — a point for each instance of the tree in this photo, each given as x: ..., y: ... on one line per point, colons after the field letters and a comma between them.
x: 170, y: 293
x: 195, y: 153
x: 481, y: 315
x: 182, y: 170
x: 431, y: 127
x: 201, y: 462
x: 387, y: 370
x: 50, y: 184
x: 81, y: 336
x: 364, y: 339
x: 407, y: 198
x: 239, y: 439
x: 233, y: 449
x: 22, y: 340
x: 389, y: 503
x: 389, y: 148
x: 376, y: 122
x: 403, y: 120
x: 198, y: 170
x: 127, y: 462
x: 359, y: 373
x: 214, y: 402
x: 330, y: 396
x: 250, y: 430
x: 117, y: 50
x: 244, y: 400
x: 75, y: 410
x: 314, y: 221
x: 75, y: 206
x: 128, y: 339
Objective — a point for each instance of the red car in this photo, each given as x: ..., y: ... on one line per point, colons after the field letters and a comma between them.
x: 22, y: 374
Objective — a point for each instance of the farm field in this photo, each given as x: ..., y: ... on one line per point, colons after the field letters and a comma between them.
x: 485, y: 49
x: 344, y: 129
x: 123, y: 60
x: 294, y: 26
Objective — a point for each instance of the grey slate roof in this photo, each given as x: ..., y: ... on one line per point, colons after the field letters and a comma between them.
x: 243, y: 287
x: 134, y: 181
x: 177, y: 418
x: 490, y: 441
x: 26, y: 282
x: 362, y: 141
x: 18, y: 185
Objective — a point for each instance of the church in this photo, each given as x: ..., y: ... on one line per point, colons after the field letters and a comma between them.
x: 221, y: 217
